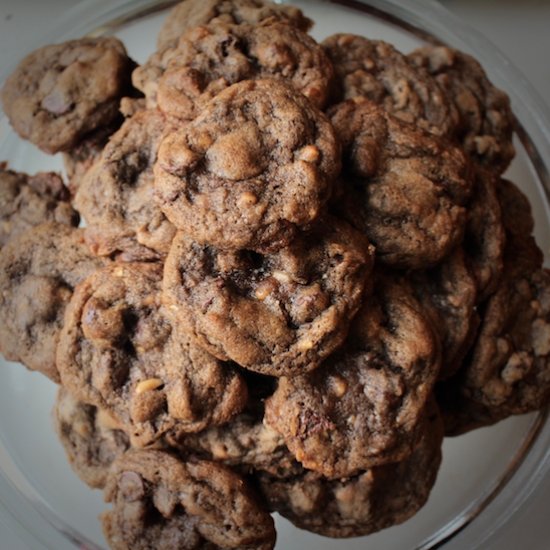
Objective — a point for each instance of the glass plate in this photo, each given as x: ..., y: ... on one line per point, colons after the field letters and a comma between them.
x: 486, y: 476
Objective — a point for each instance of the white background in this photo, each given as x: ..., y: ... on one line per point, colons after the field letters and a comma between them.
x: 520, y: 28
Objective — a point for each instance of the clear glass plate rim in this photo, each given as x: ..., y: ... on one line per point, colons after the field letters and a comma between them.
x: 101, y: 15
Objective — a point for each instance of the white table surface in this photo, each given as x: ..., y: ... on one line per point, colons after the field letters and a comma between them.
x: 520, y: 28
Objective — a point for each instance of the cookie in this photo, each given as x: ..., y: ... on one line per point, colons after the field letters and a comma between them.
x: 60, y: 93
x: 27, y: 201
x: 161, y: 502
x: 449, y: 295
x: 257, y: 163
x: 485, y: 122
x: 245, y: 443
x: 362, y: 407
x: 91, y: 438
x: 377, y: 71
x: 191, y: 13
x: 212, y: 57
x: 404, y: 188
x: 38, y: 273
x: 484, y: 235
x: 116, y: 195
x: 117, y: 351
x: 80, y: 158
x: 516, y: 214
x: 508, y: 369
x: 277, y: 314
x: 372, y: 500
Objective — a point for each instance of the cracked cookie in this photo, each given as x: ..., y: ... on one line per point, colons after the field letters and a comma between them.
x: 484, y: 235
x: 377, y: 71
x: 116, y: 195
x: 449, y: 295
x: 38, y: 273
x: 80, y: 158
x: 60, y: 93
x: 92, y: 439
x: 362, y: 407
x: 404, y: 188
x: 162, y: 502
x: 118, y: 352
x: 255, y: 165
x: 508, y: 370
x: 277, y: 314
x: 211, y: 58
x: 245, y: 443
x: 377, y: 498
x: 485, y: 121
x: 27, y: 201
x: 192, y: 13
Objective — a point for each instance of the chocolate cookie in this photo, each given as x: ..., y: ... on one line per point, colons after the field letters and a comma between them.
x: 376, y: 70
x: 508, y: 370
x: 27, y: 201
x: 485, y: 122
x: 516, y: 214
x: 510, y: 366
x: 278, y: 314
x: 117, y: 351
x: 212, y: 57
x: 484, y: 236
x: 372, y: 500
x: 80, y: 158
x: 91, y: 438
x: 258, y: 162
x: 403, y: 187
x: 362, y: 407
x: 191, y: 13
x: 245, y: 443
x: 60, y: 93
x: 448, y: 293
x: 161, y: 502
x: 116, y: 196
x: 38, y: 272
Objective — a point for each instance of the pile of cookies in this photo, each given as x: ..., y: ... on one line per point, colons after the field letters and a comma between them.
x: 300, y: 268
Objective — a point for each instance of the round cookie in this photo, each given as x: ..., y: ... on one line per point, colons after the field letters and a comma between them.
x: 38, y: 273
x: 212, y: 57
x: 516, y: 214
x: 245, y: 443
x: 362, y: 407
x: 191, y: 13
x: 118, y: 352
x: 508, y: 369
x: 377, y: 71
x: 277, y: 314
x: 484, y: 235
x: 91, y: 438
x: 27, y: 201
x: 372, y: 500
x: 161, y: 502
x: 403, y: 187
x: 448, y: 293
x: 80, y: 158
x: 116, y: 195
x: 60, y: 93
x: 258, y: 162
x: 485, y: 121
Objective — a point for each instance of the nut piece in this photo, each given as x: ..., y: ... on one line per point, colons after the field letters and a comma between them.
x: 248, y: 199
x: 148, y: 385
x: 309, y: 153
x: 339, y: 386
x: 281, y: 276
